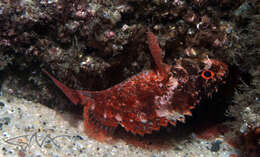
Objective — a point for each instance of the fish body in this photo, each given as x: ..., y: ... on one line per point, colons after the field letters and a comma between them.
x: 151, y: 99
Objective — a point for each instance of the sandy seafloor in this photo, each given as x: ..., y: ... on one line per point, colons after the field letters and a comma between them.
x: 32, y: 129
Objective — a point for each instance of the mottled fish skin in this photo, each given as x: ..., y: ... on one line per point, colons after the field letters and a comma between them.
x: 151, y: 99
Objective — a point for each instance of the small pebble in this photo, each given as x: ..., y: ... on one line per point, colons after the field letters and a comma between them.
x: 2, y: 105
x: 5, y: 120
x: 78, y: 137
x: 215, y: 146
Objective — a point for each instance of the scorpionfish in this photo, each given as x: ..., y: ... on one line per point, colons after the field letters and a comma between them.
x: 151, y: 99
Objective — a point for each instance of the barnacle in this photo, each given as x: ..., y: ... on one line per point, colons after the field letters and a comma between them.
x: 151, y: 99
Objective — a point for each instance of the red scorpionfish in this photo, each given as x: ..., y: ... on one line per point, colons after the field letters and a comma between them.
x: 151, y: 99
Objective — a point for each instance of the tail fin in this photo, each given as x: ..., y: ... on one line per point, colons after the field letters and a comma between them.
x: 70, y: 93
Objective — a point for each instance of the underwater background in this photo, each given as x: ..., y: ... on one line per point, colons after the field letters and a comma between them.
x: 96, y: 44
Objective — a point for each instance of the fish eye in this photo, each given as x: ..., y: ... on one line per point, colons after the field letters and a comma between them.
x: 207, y: 74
